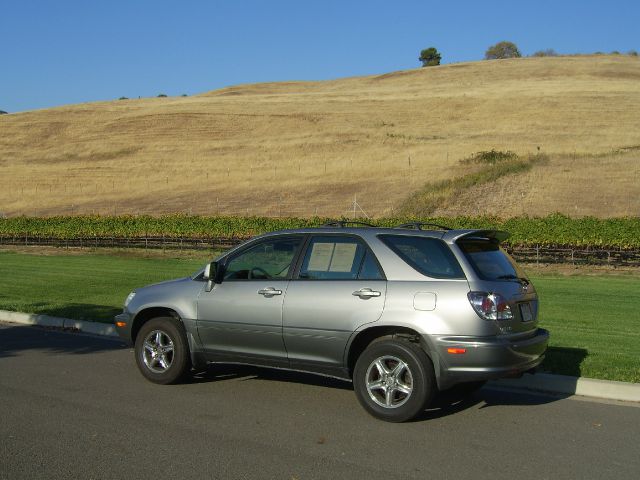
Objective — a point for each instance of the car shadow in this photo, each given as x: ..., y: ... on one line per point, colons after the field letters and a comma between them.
x: 562, y: 360
x: 15, y: 339
x: 447, y: 403
x: 444, y: 404
x: 565, y: 360
x: 220, y: 372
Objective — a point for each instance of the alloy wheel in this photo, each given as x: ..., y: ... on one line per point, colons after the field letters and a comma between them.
x: 389, y: 381
x: 157, y: 352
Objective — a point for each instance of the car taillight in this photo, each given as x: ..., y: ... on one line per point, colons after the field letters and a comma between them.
x: 490, y: 306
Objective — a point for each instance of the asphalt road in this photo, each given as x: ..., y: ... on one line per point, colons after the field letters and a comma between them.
x: 75, y: 406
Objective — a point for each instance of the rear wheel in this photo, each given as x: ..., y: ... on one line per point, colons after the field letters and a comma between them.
x: 162, y: 352
x: 394, y: 379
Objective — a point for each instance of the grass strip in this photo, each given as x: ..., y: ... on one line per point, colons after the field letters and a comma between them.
x: 492, y: 166
x: 594, y: 325
x: 82, y: 287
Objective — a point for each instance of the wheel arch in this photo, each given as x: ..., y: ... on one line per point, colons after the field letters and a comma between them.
x: 364, y: 338
x: 143, y: 316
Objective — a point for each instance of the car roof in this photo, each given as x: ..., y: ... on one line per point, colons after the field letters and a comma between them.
x: 448, y: 236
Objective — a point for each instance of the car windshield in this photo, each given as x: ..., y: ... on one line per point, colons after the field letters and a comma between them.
x: 490, y: 261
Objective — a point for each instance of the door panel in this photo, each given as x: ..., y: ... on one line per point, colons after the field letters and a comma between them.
x: 242, y: 316
x: 234, y: 318
x: 320, y: 316
x: 339, y: 287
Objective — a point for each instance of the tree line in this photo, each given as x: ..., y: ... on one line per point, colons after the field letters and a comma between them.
x: 431, y: 57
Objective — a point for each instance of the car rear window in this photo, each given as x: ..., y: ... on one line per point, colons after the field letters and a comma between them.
x: 429, y: 256
x: 489, y: 260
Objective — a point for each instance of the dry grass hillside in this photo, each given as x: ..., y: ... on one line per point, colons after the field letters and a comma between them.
x: 305, y: 148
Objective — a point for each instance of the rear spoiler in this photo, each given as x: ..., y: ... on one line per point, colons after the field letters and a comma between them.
x: 497, y: 236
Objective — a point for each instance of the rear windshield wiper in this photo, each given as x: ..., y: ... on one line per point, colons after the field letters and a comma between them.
x: 522, y: 280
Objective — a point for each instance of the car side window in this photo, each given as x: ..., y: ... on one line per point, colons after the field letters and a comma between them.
x: 338, y: 258
x: 429, y: 256
x: 370, y: 269
x: 270, y: 259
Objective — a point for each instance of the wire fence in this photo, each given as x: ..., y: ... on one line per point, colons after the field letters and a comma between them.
x: 524, y: 254
x: 575, y: 256
x: 302, y: 206
x: 347, y: 183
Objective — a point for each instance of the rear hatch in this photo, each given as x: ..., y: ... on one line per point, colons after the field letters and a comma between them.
x: 496, y: 273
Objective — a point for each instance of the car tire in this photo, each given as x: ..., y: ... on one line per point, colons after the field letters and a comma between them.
x: 162, y: 351
x: 394, y: 379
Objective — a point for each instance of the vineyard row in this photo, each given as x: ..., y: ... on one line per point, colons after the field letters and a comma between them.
x: 551, y: 231
x: 525, y: 254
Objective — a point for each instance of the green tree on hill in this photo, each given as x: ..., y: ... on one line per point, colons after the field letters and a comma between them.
x: 2, y: 112
x: 430, y: 57
x: 502, y: 50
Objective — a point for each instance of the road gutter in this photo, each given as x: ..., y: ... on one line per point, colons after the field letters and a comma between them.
x: 566, y: 385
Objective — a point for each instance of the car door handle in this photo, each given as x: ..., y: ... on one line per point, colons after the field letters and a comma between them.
x: 269, y: 292
x: 366, y: 293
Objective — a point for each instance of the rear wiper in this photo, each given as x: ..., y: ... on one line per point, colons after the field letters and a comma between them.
x: 522, y: 280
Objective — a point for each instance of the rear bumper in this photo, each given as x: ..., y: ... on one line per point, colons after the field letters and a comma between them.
x: 485, y: 358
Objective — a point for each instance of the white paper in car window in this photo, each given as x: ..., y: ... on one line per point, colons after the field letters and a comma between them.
x: 320, y: 257
x: 343, y: 255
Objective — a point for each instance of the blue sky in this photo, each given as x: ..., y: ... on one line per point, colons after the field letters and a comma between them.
x: 60, y: 52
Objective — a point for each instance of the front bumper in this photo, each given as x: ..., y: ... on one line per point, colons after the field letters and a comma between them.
x: 124, y: 331
x: 485, y: 358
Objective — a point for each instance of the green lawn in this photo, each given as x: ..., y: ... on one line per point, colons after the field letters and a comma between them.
x: 83, y: 287
x: 594, y: 319
x: 594, y: 323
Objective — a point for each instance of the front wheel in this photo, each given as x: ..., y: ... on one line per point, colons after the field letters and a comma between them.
x: 394, y: 379
x: 162, y: 352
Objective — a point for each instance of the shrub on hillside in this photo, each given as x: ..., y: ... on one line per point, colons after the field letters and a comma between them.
x: 502, y: 50
x: 491, y: 157
x: 632, y: 53
x: 123, y: 98
x: 549, y: 52
x: 161, y: 95
x: 2, y: 112
x: 430, y: 57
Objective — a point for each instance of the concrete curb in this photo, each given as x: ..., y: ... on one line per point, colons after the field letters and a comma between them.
x: 94, y: 328
x: 540, y: 382
x: 566, y: 385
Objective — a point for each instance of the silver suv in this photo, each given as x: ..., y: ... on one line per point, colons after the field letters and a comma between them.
x: 402, y: 312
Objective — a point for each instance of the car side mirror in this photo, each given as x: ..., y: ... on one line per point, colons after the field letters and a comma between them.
x: 213, y: 273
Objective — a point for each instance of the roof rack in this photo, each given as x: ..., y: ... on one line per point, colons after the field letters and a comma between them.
x: 345, y: 223
x: 419, y: 225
